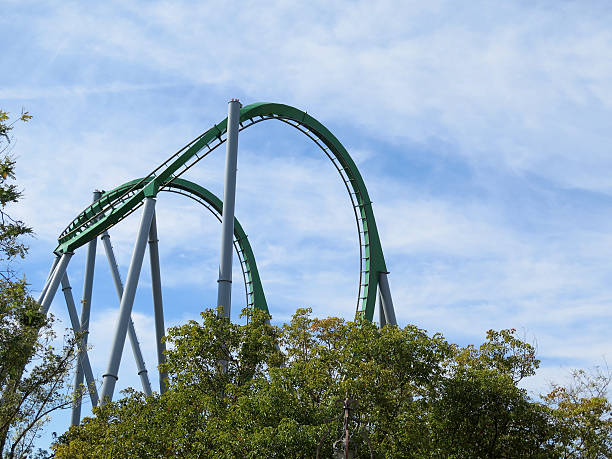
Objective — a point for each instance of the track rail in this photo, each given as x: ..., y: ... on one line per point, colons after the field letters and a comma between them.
x: 254, y: 292
x: 109, y: 210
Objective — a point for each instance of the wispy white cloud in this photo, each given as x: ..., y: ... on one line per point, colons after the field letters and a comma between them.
x: 497, y: 81
x: 24, y: 94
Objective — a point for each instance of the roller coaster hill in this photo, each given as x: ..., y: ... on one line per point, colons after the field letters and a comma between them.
x: 111, y: 207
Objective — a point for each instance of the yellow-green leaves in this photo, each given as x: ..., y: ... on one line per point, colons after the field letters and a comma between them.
x: 258, y: 390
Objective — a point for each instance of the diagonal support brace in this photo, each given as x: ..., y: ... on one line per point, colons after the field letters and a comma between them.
x: 48, y: 281
x: 76, y: 327
x: 140, y: 364
x: 53, y: 284
x: 127, y: 301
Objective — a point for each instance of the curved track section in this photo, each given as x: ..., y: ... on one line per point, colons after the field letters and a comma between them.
x: 255, y: 296
x: 111, y: 209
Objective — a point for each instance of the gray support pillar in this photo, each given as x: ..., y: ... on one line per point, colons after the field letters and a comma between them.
x: 90, y: 263
x: 387, y: 301
x: 127, y: 301
x: 58, y: 273
x: 76, y: 327
x: 140, y: 364
x: 48, y: 281
x: 160, y: 328
x: 112, y: 262
x: 224, y: 295
x: 381, y: 311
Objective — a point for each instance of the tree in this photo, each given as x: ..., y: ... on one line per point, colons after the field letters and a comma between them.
x: 257, y: 390
x: 582, y: 415
x: 10, y: 230
x: 32, y: 374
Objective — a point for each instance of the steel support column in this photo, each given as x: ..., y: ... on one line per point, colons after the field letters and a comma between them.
x: 127, y: 301
x: 84, y: 358
x: 85, y: 314
x: 49, y: 276
x: 160, y: 329
x: 381, y: 311
x: 224, y: 293
x: 56, y: 278
x: 140, y: 364
x: 387, y: 301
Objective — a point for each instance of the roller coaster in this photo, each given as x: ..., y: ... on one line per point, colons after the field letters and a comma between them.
x: 111, y: 207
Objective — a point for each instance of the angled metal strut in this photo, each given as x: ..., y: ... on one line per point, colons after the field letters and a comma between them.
x: 140, y: 364
x: 127, y: 301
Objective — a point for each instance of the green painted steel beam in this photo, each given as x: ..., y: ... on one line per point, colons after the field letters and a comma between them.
x: 253, y: 281
x: 87, y: 225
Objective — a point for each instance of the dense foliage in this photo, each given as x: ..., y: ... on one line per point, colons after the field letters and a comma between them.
x: 257, y: 390
x: 32, y: 374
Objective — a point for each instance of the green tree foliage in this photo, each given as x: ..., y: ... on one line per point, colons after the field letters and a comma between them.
x: 26, y: 397
x: 10, y: 230
x: 258, y: 390
x: 582, y: 416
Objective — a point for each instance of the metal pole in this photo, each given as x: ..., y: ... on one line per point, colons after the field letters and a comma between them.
x: 110, y: 255
x: 127, y: 301
x: 387, y: 301
x: 224, y: 294
x: 160, y: 329
x: 76, y: 327
x: 381, y: 311
x: 85, y: 314
x: 140, y: 364
x: 49, y: 276
x: 58, y: 273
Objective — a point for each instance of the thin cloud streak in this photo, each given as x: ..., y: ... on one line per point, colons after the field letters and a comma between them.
x: 61, y: 92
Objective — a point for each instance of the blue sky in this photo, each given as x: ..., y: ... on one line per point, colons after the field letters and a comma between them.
x: 482, y: 131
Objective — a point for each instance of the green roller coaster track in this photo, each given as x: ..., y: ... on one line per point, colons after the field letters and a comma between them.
x: 255, y: 296
x: 114, y: 207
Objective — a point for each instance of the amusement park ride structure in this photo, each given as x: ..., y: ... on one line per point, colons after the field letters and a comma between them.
x: 111, y: 207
